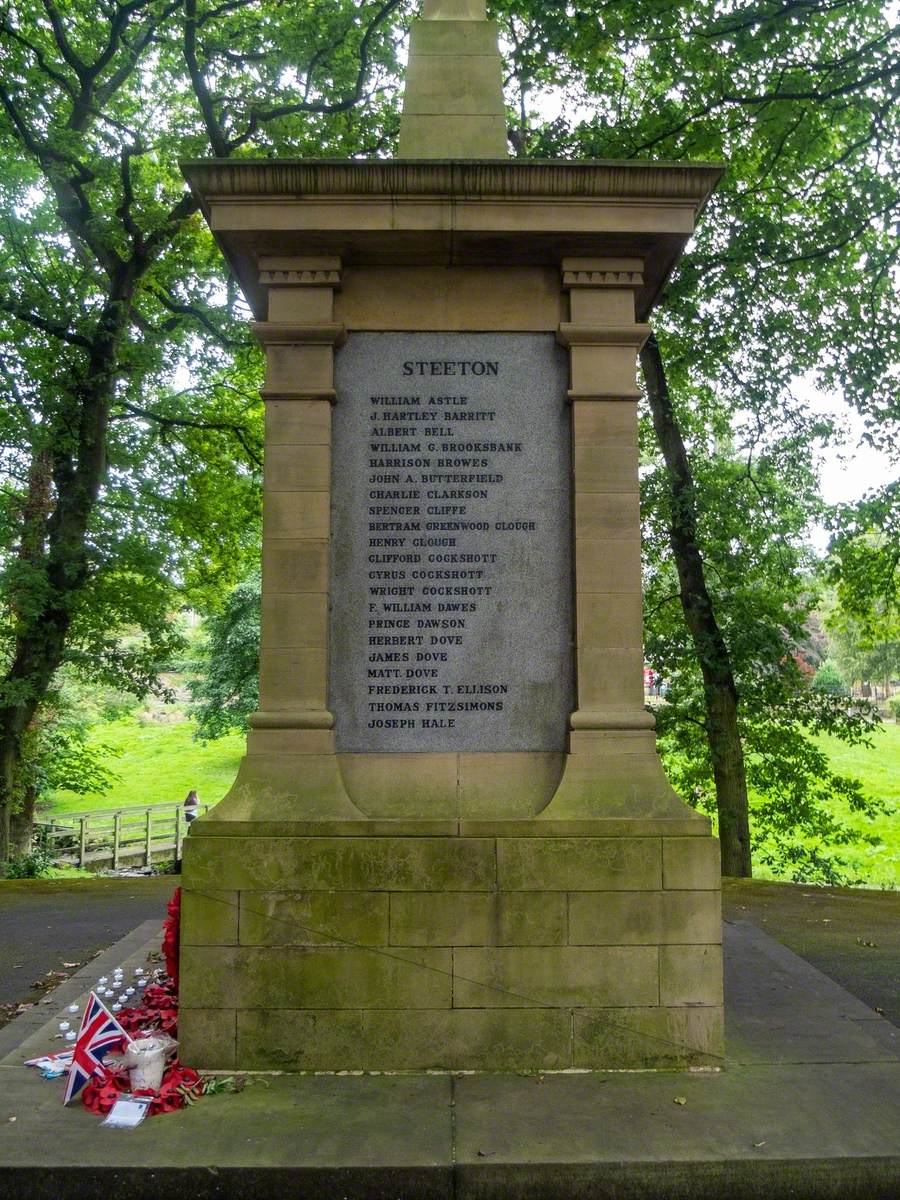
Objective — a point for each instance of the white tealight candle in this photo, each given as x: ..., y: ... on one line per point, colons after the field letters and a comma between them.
x: 102, y: 980
x: 63, y: 1026
x: 138, y: 970
x: 117, y: 1008
x: 129, y: 991
x: 108, y: 992
x: 71, y: 1035
x: 142, y: 983
x: 73, y: 1008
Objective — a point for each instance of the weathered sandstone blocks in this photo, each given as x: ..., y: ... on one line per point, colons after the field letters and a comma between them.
x: 487, y: 953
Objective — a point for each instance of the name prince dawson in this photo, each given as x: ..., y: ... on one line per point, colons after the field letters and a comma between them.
x: 446, y: 533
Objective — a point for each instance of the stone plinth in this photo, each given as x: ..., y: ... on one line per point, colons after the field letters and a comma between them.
x: 522, y: 889
x: 486, y: 949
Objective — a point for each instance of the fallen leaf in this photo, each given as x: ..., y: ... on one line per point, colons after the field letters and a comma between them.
x: 481, y: 1153
x: 880, y: 1011
x: 65, y: 964
x: 862, y: 942
x: 826, y: 920
x: 756, y: 1145
x: 13, y: 1119
x: 680, y: 1100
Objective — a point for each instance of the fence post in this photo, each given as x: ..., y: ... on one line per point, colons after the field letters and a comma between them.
x: 149, y: 843
x: 178, y: 833
x: 117, y: 820
x: 82, y: 841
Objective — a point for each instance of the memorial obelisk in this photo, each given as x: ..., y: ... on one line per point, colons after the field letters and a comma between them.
x: 451, y: 843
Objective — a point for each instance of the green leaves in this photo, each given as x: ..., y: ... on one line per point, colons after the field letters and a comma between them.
x: 227, y: 690
x: 791, y: 274
x: 126, y: 368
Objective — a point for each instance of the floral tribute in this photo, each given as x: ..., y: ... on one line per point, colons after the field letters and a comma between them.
x: 156, y: 1013
x: 171, y: 937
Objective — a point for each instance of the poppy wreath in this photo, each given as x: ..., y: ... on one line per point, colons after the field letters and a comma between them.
x: 171, y: 929
x: 180, y: 1086
x: 156, y: 1013
x: 101, y: 1093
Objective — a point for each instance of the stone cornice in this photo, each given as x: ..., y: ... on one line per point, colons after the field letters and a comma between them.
x: 501, y: 179
x: 290, y: 333
x: 280, y: 277
x: 633, y: 336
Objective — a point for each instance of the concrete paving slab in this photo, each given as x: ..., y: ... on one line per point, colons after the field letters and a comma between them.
x: 852, y: 934
x: 747, y: 1115
x: 779, y: 1008
x: 809, y: 1109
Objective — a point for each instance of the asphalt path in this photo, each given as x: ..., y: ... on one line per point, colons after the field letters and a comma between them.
x: 850, y: 934
x: 45, y: 924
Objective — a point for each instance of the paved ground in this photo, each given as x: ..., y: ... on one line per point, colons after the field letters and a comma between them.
x: 47, y: 923
x: 852, y: 934
x: 809, y: 1108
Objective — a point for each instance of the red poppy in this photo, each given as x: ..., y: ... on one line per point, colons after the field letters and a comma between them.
x: 101, y: 1093
x: 171, y: 928
x: 156, y: 1012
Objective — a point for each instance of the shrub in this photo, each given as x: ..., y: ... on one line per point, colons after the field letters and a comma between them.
x: 828, y: 679
x: 33, y: 864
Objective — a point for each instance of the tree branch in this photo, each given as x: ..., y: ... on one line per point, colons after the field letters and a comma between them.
x: 39, y: 57
x: 187, y: 423
x: 55, y: 329
x: 191, y: 310
x: 65, y: 47
x: 258, y: 116
x: 214, y: 130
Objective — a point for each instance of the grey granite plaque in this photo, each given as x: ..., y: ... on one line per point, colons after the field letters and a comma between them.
x: 451, y: 620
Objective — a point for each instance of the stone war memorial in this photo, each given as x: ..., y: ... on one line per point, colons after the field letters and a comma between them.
x: 451, y: 844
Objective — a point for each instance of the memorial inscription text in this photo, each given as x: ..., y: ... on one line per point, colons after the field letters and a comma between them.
x: 450, y: 624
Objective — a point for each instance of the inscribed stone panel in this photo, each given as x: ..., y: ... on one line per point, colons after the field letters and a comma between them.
x: 451, y: 528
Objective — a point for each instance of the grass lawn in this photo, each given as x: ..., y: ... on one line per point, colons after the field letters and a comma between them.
x: 878, y: 769
x: 159, y: 762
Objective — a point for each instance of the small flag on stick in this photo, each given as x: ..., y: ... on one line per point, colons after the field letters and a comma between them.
x: 100, y: 1032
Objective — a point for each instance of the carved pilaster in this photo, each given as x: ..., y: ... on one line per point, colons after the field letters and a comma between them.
x: 603, y: 339
x: 299, y: 338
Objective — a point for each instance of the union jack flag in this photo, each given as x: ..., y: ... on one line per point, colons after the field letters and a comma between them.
x: 99, y: 1033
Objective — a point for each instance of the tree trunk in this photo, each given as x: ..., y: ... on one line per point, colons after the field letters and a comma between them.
x: 719, y: 690
x: 7, y: 782
x: 21, y: 825
x: 57, y: 551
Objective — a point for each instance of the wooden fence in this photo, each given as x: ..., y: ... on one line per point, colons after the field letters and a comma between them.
x: 115, y: 837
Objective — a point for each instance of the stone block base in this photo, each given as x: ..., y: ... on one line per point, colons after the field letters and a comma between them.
x: 493, y: 953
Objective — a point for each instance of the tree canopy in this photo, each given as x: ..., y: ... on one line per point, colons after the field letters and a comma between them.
x: 130, y: 429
